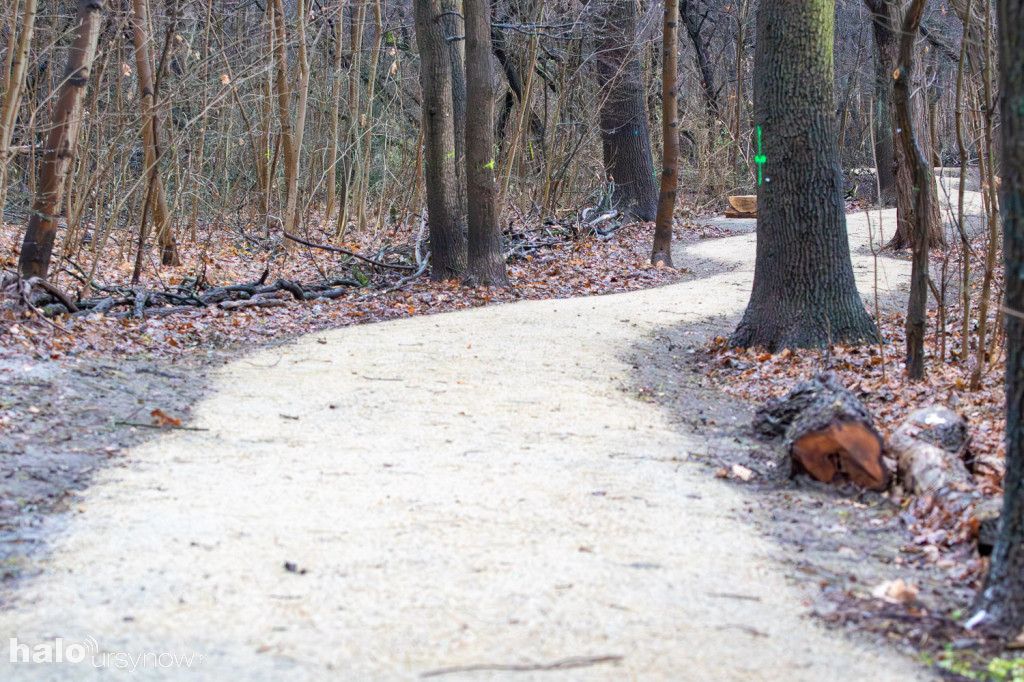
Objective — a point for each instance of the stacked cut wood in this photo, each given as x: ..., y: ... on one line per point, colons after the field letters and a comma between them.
x: 828, y: 433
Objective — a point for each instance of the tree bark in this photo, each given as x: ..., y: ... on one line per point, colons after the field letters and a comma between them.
x: 41, y: 231
x: 625, y: 132
x: 930, y: 448
x: 289, y: 147
x: 661, y: 251
x: 922, y: 178
x: 804, y: 292
x: 444, y: 217
x: 455, y: 30
x: 1003, y: 596
x: 486, y: 257
x: 886, y: 18
x: 151, y: 139
x: 884, y: 151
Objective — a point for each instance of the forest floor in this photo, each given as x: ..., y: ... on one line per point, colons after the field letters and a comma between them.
x: 491, y: 488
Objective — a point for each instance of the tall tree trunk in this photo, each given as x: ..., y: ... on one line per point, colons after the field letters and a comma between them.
x: 662, y: 249
x: 332, y: 142
x: 887, y: 16
x: 454, y: 29
x: 804, y: 292
x: 625, y: 133
x: 444, y: 218
x: 14, y: 76
x: 1003, y: 596
x: 922, y: 177
x: 884, y: 151
x: 288, y: 143
x: 60, y: 143
x: 151, y: 141
x: 486, y: 260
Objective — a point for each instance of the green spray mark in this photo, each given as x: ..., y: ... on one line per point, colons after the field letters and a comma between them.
x: 490, y: 165
x: 760, y: 159
x: 450, y: 155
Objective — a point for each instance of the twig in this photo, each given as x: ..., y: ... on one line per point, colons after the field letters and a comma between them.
x: 160, y: 426
x: 338, y: 249
x: 561, y: 664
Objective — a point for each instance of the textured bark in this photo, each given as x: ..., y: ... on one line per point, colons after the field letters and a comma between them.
x: 884, y: 150
x: 923, y: 178
x: 288, y: 144
x: 454, y: 29
x: 486, y: 258
x: 887, y: 16
x: 804, y: 292
x: 60, y: 143
x: 444, y: 217
x: 625, y: 132
x: 662, y: 249
x: 1003, y: 596
x: 151, y: 139
x: 929, y: 448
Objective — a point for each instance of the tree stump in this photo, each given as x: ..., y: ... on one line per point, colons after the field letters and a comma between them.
x: 930, y: 449
x: 828, y: 433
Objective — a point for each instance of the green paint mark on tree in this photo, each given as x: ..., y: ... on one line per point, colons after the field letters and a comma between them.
x: 490, y: 165
x: 760, y: 159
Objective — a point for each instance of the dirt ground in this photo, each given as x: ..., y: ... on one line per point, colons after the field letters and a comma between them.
x: 63, y: 420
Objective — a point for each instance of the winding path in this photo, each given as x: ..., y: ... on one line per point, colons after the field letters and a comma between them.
x: 449, y: 490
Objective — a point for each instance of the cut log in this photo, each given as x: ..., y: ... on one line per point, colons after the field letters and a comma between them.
x: 930, y: 449
x: 744, y: 203
x: 828, y: 433
x: 739, y: 214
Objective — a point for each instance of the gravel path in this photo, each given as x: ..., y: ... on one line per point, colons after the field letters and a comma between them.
x: 450, y: 490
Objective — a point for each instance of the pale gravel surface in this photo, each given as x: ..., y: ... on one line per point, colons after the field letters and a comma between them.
x: 462, y: 489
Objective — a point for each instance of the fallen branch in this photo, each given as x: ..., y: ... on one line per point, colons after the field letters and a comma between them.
x: 562, y: 664
x: 254, y: 303
x: 338, y: 249
x: 161, y: 427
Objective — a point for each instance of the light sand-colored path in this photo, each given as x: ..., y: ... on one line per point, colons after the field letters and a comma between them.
x: 461, y: 489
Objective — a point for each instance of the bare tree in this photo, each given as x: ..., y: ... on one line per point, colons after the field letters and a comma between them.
x: 41, y: 231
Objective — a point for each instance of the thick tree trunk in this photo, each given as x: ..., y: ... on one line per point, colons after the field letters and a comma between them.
x: 1003, y: 596
x: 625, y: 133
x: 444, y: 218
x: 804, y: 292
x: 662, y: 248
x: 60, y: 143
x: 827, y: 432
x: 486, y: 260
